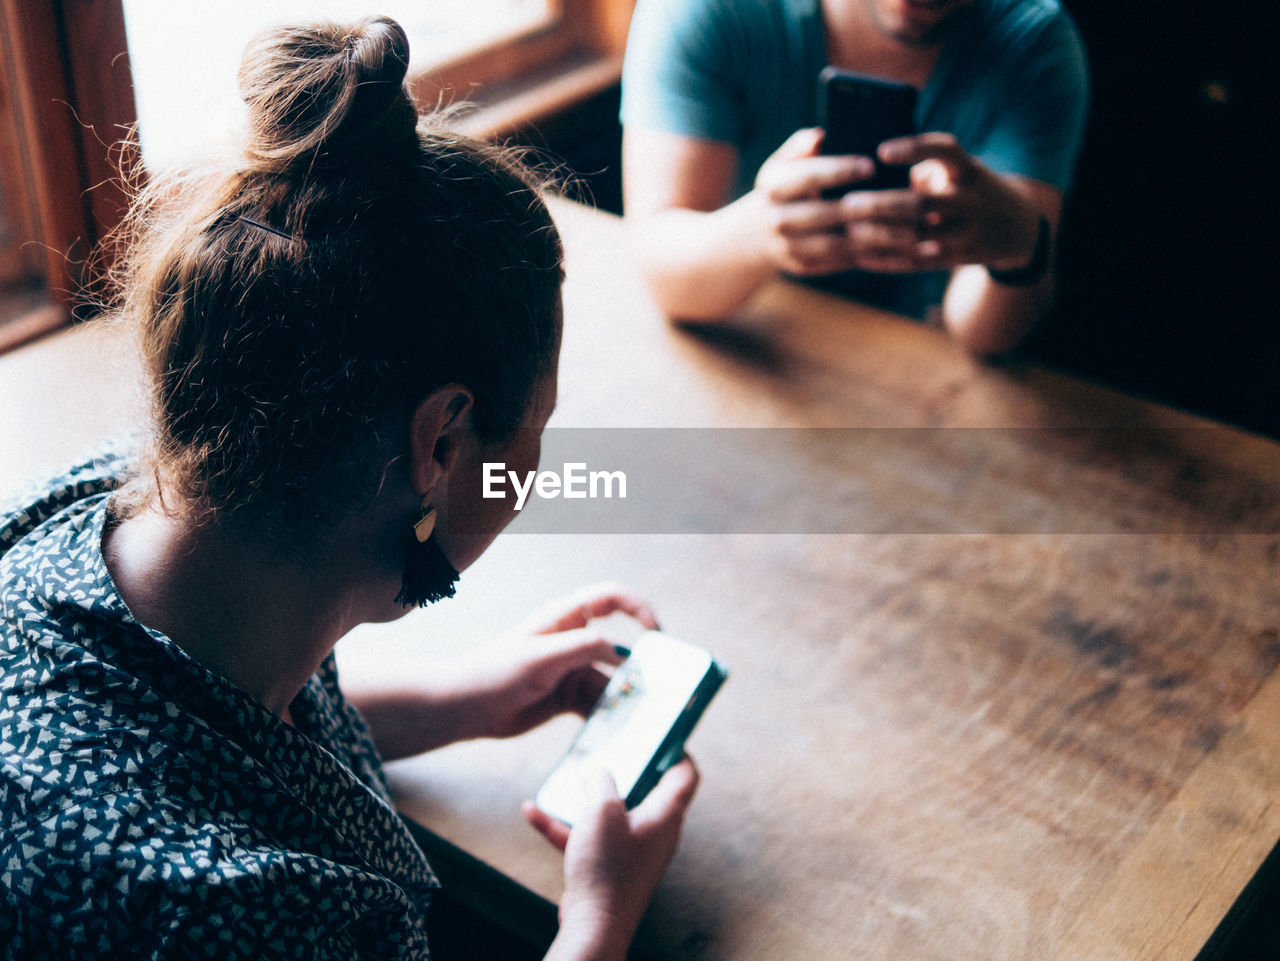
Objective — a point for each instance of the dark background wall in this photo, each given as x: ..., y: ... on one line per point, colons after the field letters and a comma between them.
x: 1169, y: 258
x: 1170, y: 251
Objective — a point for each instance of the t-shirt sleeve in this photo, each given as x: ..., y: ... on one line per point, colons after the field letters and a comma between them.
x: 1042, y: 109
x: 674, y: 76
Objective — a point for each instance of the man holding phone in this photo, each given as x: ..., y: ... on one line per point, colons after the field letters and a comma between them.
x: 726, y: 185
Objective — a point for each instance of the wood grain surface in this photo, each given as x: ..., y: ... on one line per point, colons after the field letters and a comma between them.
x: 1023, y: 704
x: 1003, y: 645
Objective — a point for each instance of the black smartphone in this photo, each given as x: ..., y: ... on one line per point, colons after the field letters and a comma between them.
x: 638, y: 728
x: 858, y: 113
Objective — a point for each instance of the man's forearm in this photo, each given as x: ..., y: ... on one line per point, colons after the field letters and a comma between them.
x: 989, y: 318
x: 702, y: 266
x: 990, y: 308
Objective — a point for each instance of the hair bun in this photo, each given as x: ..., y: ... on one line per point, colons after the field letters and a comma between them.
x: 327, y: 89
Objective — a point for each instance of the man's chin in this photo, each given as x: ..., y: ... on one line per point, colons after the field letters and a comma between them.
x: 923, y: 23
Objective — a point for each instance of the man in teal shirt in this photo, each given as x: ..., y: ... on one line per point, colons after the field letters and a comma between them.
x: 723, y: 177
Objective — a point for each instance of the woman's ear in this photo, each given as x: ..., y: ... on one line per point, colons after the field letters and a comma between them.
x: 439, y: 426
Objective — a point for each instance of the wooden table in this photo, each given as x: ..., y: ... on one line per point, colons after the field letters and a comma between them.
x: 1024, y: 705
x: 1003, y: 645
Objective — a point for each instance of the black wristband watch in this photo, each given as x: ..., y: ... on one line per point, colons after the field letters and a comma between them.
x: 1036, y: 266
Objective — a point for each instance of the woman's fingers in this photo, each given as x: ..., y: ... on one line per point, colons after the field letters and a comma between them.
x: 556, y: 832
x: 587, y: 604
x: 671, y: 797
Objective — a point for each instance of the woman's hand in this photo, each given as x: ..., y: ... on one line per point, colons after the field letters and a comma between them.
x: 613, y: 861
x: 548, y: 665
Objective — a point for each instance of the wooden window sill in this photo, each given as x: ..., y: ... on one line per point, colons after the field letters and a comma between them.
x: 502, y: 111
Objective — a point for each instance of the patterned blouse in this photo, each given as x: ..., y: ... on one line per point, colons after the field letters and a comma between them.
x: 151, y: 809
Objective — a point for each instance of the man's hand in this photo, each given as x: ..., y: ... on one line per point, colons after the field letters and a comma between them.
x: 805, y: 230
x: 957, y: 212
x: 705, y: 256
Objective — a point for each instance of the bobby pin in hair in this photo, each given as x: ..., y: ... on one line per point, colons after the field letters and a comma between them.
x: 271, y: 230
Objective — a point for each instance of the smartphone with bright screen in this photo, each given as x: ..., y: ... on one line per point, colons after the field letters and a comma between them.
x: 638, y: 728
x: 858, y: 113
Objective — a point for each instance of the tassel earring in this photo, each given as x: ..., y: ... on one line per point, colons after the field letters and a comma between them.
x: 428, y: 575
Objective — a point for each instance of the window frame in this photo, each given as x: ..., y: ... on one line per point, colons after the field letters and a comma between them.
x: 73, y: 102
x: 513, y: 82
x: 70, y: 108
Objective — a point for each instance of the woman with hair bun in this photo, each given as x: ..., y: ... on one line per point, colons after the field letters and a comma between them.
x: 338, y: 332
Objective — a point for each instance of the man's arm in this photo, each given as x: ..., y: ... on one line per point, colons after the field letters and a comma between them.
x: 960, y: 215
x: 705, y: 256
x: 989, y: 317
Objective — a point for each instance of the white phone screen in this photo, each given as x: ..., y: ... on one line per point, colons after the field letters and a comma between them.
x: 648, y: 698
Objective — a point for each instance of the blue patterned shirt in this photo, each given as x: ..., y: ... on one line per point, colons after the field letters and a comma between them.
x: 150, y: 808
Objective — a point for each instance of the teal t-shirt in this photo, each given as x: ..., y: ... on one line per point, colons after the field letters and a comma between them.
x: 1011, y: 85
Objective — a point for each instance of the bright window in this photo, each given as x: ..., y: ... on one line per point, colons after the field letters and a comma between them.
x: 184, y: 56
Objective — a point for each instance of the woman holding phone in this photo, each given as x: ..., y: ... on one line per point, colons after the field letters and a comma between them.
x: 339, y: 329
